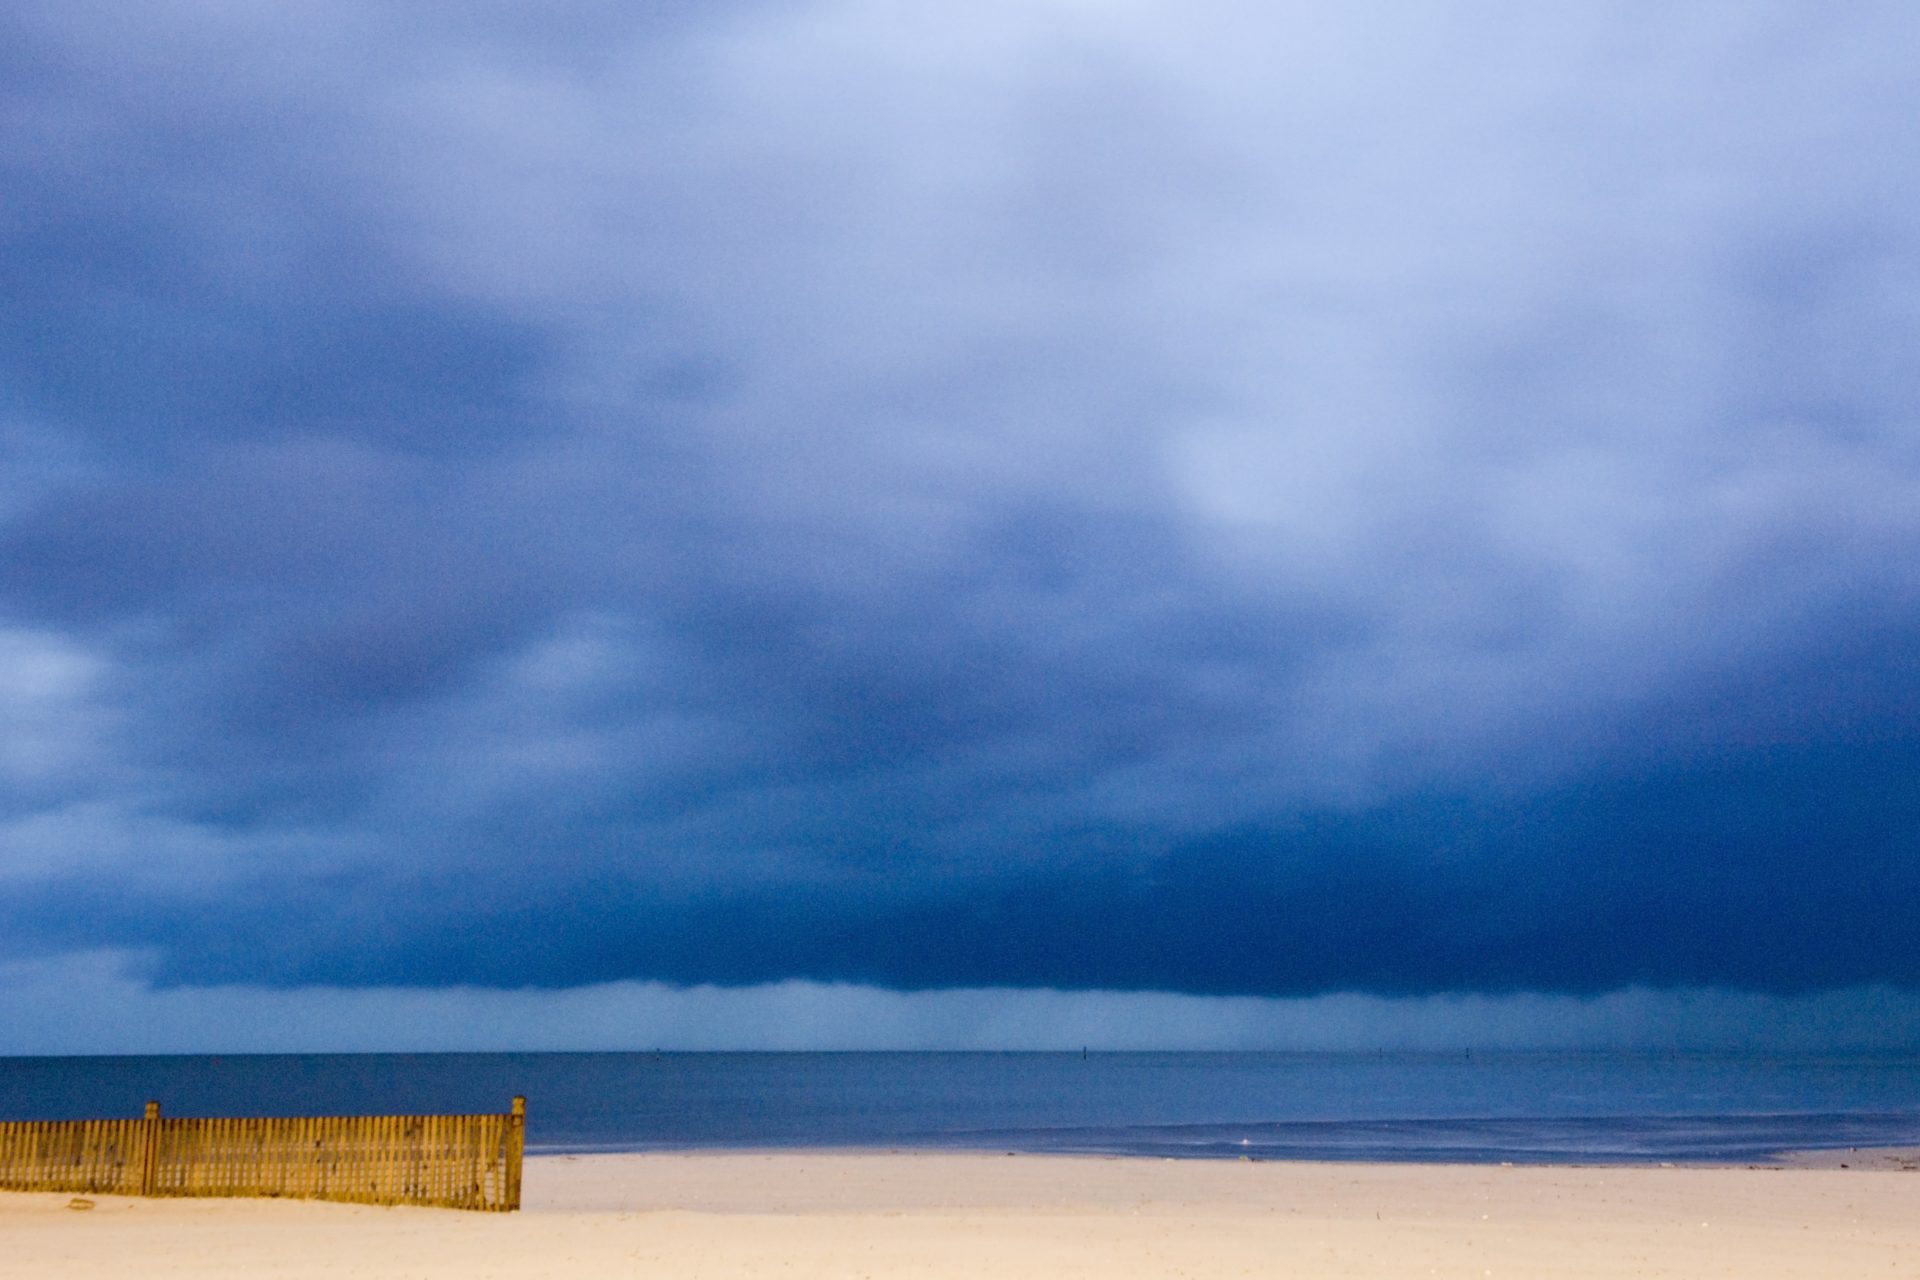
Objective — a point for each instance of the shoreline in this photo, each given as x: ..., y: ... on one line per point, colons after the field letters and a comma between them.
x: 816, y: 1214
x: 1892, y: 1156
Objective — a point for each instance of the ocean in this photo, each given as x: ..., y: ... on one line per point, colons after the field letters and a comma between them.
x: 1485, y: 1107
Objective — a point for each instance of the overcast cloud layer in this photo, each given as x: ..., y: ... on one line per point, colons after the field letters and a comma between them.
x: 1233, y: 499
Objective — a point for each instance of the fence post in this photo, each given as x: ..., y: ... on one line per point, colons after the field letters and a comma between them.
x: 149, y: 1148
x: 516, y: 1149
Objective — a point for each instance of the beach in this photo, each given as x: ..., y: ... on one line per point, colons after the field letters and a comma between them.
x: 848, y: 1214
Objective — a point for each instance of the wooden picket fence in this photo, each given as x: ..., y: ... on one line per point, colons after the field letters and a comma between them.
x: 453, y: 1162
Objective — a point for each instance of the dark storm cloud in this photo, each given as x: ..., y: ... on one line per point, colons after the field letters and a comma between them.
x: 1248, y: 503
x: 1777, y: 870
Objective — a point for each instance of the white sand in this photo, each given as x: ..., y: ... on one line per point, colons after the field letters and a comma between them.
x: 848, y: 1215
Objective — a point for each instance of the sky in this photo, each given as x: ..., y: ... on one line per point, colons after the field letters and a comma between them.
x: 854, y: 524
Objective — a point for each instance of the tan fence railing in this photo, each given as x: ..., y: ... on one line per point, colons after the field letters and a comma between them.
x: 454, y: 1162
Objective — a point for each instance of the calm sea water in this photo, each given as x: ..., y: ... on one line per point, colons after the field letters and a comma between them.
x: 1602, y: 1107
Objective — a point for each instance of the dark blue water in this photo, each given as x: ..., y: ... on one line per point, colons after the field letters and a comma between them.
x: 1602, y: 1107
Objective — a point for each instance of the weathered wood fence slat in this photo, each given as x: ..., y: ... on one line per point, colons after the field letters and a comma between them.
x: 454, y: 1162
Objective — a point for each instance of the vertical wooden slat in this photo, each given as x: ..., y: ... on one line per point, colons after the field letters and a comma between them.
x: 148, y: 1148
x: 427, y: 1161
x: 476, y: 1161
x: 385, y: 1143
x: 313, y: 1175
x: 422, y: 1159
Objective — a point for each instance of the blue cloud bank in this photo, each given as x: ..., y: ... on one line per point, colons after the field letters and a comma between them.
x: 1253, y: 501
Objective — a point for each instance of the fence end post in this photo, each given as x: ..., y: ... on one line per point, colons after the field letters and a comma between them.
x: 516, y: 1149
